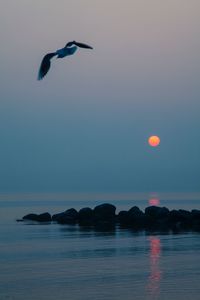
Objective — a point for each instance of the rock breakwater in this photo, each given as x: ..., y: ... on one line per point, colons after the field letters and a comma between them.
x: 104, y: 215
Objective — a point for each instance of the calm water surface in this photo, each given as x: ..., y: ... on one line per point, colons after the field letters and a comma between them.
x: 54, y: 261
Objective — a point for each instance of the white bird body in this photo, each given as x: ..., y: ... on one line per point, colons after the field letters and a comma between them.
x: 66, y: 51
x: 69, y: 49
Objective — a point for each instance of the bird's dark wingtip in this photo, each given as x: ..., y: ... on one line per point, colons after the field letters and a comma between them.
x: 83, y: 45
x: 40, y: 77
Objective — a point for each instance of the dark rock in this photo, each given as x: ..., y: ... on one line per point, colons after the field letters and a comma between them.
x: 56, y: 217
x: 180, y: 219
x: 157, y: 218
x: 135, y: 211
x: 185, y: 215
x: 195, y: 214
x: 45, y: 217
x: 134, y: 218
x: 174, y: 216
x: 157, y: 212
x: 86, y: 216
x: 31, y: 217
x: 104, y: 213
x: 180, y: 215
x: 70, y: 216
x: 122, y: 217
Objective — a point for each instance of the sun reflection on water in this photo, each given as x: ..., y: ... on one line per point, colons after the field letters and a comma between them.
x: 153, y: 285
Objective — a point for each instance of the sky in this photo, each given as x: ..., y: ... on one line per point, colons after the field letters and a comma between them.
x: 84, y: 128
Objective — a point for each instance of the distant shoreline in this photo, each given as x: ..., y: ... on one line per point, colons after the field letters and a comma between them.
x: 100, y: 196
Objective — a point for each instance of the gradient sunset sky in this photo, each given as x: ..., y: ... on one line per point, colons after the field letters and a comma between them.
x: 85, y: 127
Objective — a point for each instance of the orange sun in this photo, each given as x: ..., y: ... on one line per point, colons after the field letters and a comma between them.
x: 154, y: 141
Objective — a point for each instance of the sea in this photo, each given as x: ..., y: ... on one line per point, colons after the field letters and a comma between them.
x: 53, y: 261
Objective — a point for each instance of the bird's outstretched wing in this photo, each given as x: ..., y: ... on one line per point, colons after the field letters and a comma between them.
x: 81, y: 45
x: 45, y: 65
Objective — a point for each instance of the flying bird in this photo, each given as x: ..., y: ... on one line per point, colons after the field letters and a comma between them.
x: 69, y: 49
